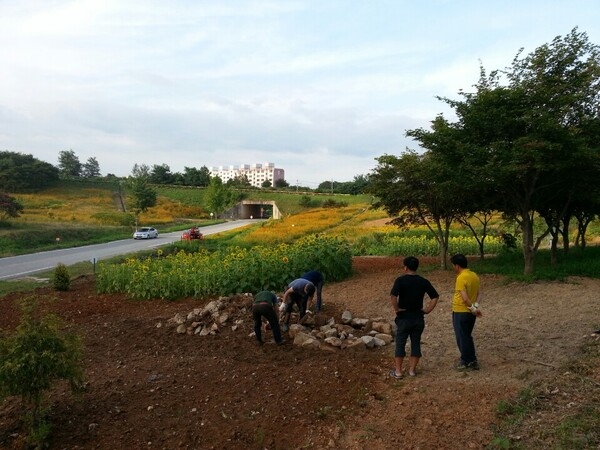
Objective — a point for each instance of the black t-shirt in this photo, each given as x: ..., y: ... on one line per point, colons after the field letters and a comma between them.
x: 410, y: 290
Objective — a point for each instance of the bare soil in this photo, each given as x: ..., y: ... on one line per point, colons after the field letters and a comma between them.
x: 148, y: 387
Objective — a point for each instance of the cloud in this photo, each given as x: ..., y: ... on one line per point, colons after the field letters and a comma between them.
x: 318, y: 88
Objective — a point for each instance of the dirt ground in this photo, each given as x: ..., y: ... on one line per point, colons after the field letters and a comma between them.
x: 150, y: 388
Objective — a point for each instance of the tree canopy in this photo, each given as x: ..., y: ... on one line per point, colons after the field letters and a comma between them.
x: 526, y: 142
x: 69, y: 164
x: 20, y: 172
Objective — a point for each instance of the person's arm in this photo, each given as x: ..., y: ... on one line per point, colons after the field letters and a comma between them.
x: 394, y: 303
x: 309, y: 302
x: 430, y: 305
x: 473, y: 306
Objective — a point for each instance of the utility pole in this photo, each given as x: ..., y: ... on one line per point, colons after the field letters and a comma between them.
x: 332, y: 185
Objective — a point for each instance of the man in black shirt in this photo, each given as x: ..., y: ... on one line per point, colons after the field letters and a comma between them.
x: 406, y: 297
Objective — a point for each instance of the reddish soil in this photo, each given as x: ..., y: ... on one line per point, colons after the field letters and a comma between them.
x: 148, y: 387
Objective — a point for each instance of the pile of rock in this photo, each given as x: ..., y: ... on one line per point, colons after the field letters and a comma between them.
x: 316, y: 331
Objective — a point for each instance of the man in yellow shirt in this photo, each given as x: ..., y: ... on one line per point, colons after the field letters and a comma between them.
x: 465, y: 310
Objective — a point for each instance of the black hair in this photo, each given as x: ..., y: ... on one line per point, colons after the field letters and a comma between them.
x: 411, y: 263
x: 460, y: 260
x: 310, y: 289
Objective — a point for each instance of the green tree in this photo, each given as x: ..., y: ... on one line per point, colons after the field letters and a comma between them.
x: 19, y: 172
x: 161, y: 174
x: 281, y: 183
x: 69, y: 164
x: 474, y: 199
x: 240, y: 181
x: 91, y: 168
x: 266, y: 184
x: 218, y: 196
x: 196, y: 177
x: 9, y: 206
x: 530, y: 145
x: 33, y: 358
x: 143, y: 195
x: 413, y: 188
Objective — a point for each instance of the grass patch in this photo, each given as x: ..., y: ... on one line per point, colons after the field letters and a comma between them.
x: 578, y: 262
x: 562, y: 414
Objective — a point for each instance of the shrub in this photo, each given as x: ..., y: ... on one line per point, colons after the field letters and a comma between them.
x: 32, y: 358
x: 61, y: 280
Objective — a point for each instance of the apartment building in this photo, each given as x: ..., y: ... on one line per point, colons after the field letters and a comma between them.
x: 257, y: 174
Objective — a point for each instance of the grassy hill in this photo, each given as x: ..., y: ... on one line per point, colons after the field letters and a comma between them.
x: 87, y: 212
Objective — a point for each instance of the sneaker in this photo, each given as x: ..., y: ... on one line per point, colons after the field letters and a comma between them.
x: 412, y: 373
x: 473, y: 365
x: 281, y: 342
x: 460, y: 366
x: 393, y: 374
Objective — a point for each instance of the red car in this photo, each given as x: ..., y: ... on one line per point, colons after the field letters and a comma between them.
x: 192, y: 234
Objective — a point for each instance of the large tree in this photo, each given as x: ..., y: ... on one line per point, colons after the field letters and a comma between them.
x: 415, y: 190
x: 9, y: 206
x: 91, y: 168
x: 530, y: 137
x: 218, y: 197
x: 196, y: 177
x: 161, y: 174
x: 19, y: 172
x: 69, y: 164
x: 143, y: 195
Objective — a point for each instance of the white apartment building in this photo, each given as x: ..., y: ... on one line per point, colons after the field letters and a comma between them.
x: 257, y: 174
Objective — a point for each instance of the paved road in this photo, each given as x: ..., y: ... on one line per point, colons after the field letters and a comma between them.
x: 24, y: 265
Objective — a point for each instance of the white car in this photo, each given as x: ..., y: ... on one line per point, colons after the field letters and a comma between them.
x: 146, y: 233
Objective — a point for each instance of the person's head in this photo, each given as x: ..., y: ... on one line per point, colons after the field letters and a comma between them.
x: 459, y: 260
x: 309, y: 289
x: 411, y: 263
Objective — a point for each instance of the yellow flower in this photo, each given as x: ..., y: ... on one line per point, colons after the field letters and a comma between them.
x: 285, y: 259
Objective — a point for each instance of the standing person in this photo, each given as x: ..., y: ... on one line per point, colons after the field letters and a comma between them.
x: 265, y: 305
x: 299, y: 292
x: 465, y: 310
x: 406, y: 297
x: 316, y: 278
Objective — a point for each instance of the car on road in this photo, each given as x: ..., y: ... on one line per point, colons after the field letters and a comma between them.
x: 146, y: 233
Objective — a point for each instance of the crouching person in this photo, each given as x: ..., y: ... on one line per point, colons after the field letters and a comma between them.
x: 265, y: 305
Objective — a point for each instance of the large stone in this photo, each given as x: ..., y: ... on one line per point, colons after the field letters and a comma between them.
x: 359, y: 322
x: 369, y: 341
x: 334, y: 341
x: 346, y: 317
x: 354, y: 344
x: 301, y: 337
x: 387, y: 338
x: 382, y: 327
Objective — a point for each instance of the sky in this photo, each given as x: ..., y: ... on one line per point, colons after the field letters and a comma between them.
x: 320, y: 88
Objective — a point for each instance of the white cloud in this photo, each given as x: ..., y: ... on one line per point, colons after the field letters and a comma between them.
x: 318, y: 88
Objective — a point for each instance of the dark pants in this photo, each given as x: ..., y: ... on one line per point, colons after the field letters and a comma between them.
x: 409, y: 327
x: 301, y: 301
x: 319, y: 287
x: 463, y: 324
x: 260, y: 310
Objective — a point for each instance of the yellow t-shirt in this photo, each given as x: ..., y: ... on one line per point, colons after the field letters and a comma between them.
x: 465, y: 281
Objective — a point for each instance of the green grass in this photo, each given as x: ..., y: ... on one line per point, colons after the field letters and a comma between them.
x: 583, y: 263
x: 19, y: 238
x: 533, y: 415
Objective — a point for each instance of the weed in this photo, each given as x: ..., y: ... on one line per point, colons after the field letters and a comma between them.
x: 323, y: 412
x: 33, y: 358
x: 61, y: 280
x: 259, y: 437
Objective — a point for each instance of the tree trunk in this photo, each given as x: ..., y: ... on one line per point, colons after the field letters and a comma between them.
x: 564, y: 232
x: 553, y: 251
x: 528, y: 247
